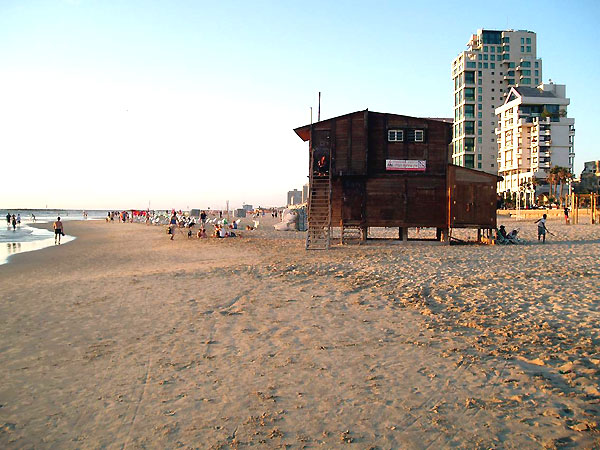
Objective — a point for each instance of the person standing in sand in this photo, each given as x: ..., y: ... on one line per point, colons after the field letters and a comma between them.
x: 58, y: 230
x: 541, y: 223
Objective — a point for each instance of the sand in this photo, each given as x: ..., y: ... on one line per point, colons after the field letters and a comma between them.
x: 124, y: 339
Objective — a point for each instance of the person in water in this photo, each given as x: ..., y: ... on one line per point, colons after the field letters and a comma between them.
x: 58, y: 230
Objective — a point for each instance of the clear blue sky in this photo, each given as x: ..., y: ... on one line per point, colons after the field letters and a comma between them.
x: 111, y: 104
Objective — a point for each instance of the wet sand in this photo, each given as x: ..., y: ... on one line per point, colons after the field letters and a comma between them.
x: 124, y: 339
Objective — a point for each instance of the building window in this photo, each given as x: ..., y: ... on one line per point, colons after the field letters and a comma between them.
x: 536, y: 64
x: 419, y: 135
x: 485, y: 49
x: 522, y: 49
x: 529, y: 40
x: 471, y: 65
x: 526, y: 64
x: 492, y: 65
x: 395, y: 135
x: 528, y: 49
x: 526, y: 81
x: 470, y: 77
x: 522, y: 40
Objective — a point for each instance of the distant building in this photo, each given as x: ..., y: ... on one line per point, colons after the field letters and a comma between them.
x: 247, y: 207
x: 305, y: 193
x: 534, y: 135
x: 294, y: 197
x: 590, y: 177
x: 494, y: 62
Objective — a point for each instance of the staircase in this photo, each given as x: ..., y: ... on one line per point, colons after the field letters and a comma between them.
x: 350, y: 232
x: 319, y: 214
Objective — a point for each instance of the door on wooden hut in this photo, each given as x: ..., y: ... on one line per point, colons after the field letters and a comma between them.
x: 353, y: 202
x: 472, y: 197
x: 321, y: 143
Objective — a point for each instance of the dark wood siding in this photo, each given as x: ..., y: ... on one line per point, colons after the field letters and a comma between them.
x: 472, y: 198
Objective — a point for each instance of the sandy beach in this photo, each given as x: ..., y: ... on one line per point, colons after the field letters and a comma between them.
x: 124, y: 339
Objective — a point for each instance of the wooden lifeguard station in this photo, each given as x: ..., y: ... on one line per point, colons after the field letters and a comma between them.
x: 370, y: 169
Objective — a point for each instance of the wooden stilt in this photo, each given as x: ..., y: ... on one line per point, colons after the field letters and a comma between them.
x: 404, y: 234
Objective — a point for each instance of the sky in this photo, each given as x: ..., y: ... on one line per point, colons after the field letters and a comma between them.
x: 108, y: 104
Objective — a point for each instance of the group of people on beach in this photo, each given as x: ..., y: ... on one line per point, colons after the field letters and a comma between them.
x: 13, y: 220
x: 222, y: 229
x: 503, y: 237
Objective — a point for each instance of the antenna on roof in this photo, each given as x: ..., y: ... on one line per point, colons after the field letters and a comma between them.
x: 311, y: 115
x: 319, y: 113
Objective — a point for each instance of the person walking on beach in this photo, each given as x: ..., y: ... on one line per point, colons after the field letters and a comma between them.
x: 14, y: 222
x: 566, y: 215
x: 58, y: 230
x: 173, y: 225
x: 19, y: 219
x: 541, y: 223
x: 8, y: 219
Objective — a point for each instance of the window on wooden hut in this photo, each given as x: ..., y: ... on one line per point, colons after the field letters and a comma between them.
x: 395, y: 135
x: 419, y: 135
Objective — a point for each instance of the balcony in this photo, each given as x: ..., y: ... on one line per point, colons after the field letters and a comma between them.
x: 545, y: 143
x: 544, y: 154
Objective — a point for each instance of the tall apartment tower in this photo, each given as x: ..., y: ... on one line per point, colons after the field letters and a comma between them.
x: 534, y: 135
x: 494, y: 62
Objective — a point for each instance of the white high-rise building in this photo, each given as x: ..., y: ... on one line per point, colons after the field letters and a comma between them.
x: 534, y: 134
x: 494, y: 62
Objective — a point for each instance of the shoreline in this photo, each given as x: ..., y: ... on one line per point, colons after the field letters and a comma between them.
x: 126, y: 338
x: 16, y: 247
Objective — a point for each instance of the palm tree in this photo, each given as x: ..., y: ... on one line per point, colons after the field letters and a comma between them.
x: 564, y: 175
x: 551, y: 178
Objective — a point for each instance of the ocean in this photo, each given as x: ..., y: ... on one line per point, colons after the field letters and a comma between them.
x: 25, y: 238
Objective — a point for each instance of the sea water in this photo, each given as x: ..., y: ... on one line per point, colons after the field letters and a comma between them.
x: 25, y: 238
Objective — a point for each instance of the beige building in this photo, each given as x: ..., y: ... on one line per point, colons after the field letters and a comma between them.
x: 534, y: 134
x: 494, y: 62
x: 590, y: 177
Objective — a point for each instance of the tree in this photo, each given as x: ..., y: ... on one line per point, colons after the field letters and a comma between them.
x: 552, y: 179
x: 564, y: 175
